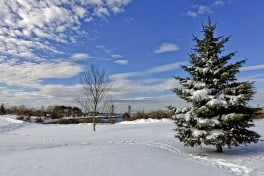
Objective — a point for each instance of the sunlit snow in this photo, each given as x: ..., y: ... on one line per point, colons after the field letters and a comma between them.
x: 141, y: 148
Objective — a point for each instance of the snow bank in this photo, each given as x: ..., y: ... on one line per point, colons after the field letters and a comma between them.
x: 9, y: 123
x: 142, y: 121
x: 10, y: 119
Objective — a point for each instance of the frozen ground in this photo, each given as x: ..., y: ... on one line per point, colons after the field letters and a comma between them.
x: 138, y: 148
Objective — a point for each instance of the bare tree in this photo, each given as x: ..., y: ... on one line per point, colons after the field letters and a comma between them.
x: 85, y: 104
x: 95, y: 85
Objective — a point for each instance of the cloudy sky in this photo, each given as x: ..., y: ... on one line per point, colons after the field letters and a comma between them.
x: 45, y: 45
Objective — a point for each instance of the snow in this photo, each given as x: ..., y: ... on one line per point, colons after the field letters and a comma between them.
x: 142, y: 147
x: 11, y: 119
x: 235, y: 99
x: 195, y: 84
x: 203, y: 121
x: 142, y: 121
x: 187, y: 116
x: 228, y: 116
x: 203, y: 70
x: 197, y: 133
x: 202, y: 94
x: 214, y: 133
x: 212, y: 122
x: 217, y: 102
x: 232, y: 99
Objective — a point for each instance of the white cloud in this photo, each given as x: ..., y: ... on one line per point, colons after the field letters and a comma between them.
x: 32, y: 31
x: 100, y: 46
x: 204, y: 9
x: 30, y: 74
x: 31, y: 25
x: 80, y: 56
x: 192, y: 13
x: 123, y: 85
x: 121, y: 62
x: 119, y: 59
x: 167, y: 47
x: 254, y: 67
x: 45, y: 95
x: 165, y: 68
x: 129, y: 20
x: 153, y: 70
x: 218, y: 2
x: 117, y: 56
x: 148, y: 104
x: 124, y: 75
x: 133, y: 100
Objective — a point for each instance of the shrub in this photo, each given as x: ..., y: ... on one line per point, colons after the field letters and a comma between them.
x: 68, y: 121
x: 152, y: 115
x: 39, y: 120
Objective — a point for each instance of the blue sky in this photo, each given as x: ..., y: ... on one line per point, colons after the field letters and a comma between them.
x: 140, y: 43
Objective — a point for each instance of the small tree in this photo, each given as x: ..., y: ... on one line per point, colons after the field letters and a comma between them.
x: 2, y: 109
x: 219, y: 115
x: 95, y: 86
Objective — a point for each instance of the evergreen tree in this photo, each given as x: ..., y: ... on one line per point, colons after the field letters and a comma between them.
x: 2, y: 110
x: 218, y: 115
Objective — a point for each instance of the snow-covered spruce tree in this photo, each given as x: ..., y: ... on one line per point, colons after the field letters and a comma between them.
x: 219, y: 115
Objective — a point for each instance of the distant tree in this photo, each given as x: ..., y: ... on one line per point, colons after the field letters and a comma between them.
x: 76, y: 111
x: 219, y: 115
x: 2, y: 110
x: 95, y: 86
x: 43, y: 111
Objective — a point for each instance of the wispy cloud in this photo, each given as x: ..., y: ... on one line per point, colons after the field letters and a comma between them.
x: 166, y: 47
x: 121, y: 62
x: 153, y: 70
x: 254, y: 67
x: 147, y: 104
x: 117, y: 56
x: 80, y: 56
x: 134, y: 99
x: 202, y: 9
x: 165, y: 68
x: 100, y: 46
x: 124, y: 85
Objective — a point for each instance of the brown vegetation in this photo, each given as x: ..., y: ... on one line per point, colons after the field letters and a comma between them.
x: 153, y: 115
x: 259, y: 114
x: 52, y: 112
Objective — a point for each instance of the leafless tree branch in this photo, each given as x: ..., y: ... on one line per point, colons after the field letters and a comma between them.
x: 95, y: 86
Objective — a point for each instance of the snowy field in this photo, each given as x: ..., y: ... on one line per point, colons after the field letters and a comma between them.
x: 138, y: 148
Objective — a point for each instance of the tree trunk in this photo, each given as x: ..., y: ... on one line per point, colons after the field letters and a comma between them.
x: 94, y: 122
x: 95, y: 109
x: 219, y: 148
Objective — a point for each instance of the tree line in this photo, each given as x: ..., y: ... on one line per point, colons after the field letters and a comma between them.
x: 53, y: 112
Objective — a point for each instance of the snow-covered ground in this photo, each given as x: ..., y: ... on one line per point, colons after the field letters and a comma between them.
x: 141, y: 148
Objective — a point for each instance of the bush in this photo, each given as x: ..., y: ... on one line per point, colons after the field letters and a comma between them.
x: 24, y: 118
x: 89, y: 120
x: 39, y: 120
x: 152, y: 115
x: 68, y: 121
x: 20, y: 118
x: 259, y: 114
x: 76, y: 121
